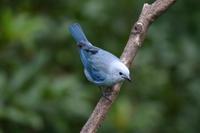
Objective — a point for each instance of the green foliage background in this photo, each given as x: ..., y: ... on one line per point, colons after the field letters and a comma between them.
x: 42, y: 86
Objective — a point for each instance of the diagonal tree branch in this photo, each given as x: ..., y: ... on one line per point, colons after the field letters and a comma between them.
x: 149, y: 13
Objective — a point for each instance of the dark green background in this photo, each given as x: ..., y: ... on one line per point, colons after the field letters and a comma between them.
x: 42, y: 85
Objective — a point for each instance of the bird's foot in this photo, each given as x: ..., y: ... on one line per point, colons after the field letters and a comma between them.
x: 106, y: 93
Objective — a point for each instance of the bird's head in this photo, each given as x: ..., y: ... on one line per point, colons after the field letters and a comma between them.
x: 120, y: 71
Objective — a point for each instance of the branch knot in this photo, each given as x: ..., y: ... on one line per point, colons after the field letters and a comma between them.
x: 138, y: 28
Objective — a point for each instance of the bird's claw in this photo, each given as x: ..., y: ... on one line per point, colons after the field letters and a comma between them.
x: 106, y: 94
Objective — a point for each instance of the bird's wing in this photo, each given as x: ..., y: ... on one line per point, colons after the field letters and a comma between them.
x: 91, y: 62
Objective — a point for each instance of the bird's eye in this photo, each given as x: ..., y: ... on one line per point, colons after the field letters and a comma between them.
x: 120, y: 73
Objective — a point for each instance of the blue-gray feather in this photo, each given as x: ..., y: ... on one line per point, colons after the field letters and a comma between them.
x: 90, y: 64
x: 77, y: 33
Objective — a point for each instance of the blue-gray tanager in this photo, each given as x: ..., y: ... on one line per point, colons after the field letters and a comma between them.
x: 100, y: 67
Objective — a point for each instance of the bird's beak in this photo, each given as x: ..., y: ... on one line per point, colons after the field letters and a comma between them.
x: 128, y: 78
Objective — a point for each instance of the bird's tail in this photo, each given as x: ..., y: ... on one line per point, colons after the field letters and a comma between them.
x: 77, y: 32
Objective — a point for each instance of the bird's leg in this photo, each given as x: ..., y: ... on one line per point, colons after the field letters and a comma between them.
x: 109, y: 90
x: 105, y: 94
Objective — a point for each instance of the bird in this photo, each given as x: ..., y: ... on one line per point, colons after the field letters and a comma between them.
x: 100, y: 66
